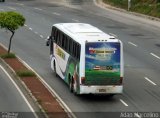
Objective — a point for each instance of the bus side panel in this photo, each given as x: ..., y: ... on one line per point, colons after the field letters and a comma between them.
x: 65, y: 64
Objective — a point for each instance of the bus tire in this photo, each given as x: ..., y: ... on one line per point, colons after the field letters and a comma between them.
x: 70, y: 84
x: 75, y: 88
x: 55, y: 69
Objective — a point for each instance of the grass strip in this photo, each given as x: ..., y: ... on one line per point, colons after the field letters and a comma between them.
x: 10, y: 55
x: 26, y: 73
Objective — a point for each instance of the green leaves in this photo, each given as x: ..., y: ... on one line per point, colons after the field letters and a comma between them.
x: 11, y: 20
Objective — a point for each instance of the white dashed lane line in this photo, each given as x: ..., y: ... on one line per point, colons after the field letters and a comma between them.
x: 19, y: 4
x: 55, y: 13
x: 132, y: 44
x: 124, y: 103
x: 155, y: 55
x: 136, y: 115
x: 33, y: 31
x: 37, y: 8
x: 30, y: 28
x: 146, y: 78
x: 75, y: 20
x: 11, y: 8
x: 41, y: 36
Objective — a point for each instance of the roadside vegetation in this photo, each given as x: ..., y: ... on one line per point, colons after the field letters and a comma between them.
x: 11, y: 21
x: 147, y: 7
x: 10, y: 55
x: 26, y: 73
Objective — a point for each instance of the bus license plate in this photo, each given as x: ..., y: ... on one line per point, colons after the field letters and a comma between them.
x: 102, y: 90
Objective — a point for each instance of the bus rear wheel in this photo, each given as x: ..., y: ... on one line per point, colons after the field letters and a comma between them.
x: 70, y: 84
x: 55, y: 69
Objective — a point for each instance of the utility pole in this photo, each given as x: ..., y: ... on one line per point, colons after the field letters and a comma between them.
x: 129, y: 4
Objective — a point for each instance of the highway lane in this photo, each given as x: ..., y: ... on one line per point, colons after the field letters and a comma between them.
x: 12, y: 102
x: 139, y: 63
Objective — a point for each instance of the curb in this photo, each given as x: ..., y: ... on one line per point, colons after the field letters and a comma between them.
x: 53, y: 93
x: 101, y: 4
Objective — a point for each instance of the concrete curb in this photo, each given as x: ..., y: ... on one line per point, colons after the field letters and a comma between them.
x: 19, y: 82
x: 103, y: 5
x: 54, y: 94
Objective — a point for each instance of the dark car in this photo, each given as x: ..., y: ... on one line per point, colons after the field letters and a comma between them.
x: 2, y: 0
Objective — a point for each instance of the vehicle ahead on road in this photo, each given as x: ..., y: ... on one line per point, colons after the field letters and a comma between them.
x: 87, y: 59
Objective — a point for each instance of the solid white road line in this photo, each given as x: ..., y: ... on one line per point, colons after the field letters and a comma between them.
x: 50, y: 89
x: 146, y: 78
x: 125, y: 104
x: 37, y: 8
x: 55, y: 13
x: 75, y: 20
x: 132, y: 44
x: 25, y: 25
x: 155, y: 55
x: 30, y: 107
x: 11, y: 8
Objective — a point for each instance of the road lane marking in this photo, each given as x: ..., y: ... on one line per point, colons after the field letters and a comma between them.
x: 55, y: 13
x: 51, y: 90
x: 136, y: 114
x: 75, y: 20
x: 150, y: 81
x: 41, y: 36
x: 37, y: 8
x: 19, y: 4
x: 11, y: 8
x: 112, y: 34
x: 25, y: 25
x: 125, y: 104
x: 132, y: 44
x: 30, y: 107
x: 1, y: 9
x: 155, y: 55
x: 36, y: 32
x: 30, y: 28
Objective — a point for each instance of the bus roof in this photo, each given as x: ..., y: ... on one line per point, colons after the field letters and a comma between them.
x: 84, y: 31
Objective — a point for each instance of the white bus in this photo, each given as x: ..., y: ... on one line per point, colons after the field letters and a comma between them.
x: 87, y: 59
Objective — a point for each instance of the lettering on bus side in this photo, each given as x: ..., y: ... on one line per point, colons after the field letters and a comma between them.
x: 60, y: 53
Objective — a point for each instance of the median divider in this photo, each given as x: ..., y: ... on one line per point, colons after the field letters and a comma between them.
x: 47, y: 102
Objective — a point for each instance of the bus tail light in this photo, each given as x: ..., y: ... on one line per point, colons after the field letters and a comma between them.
x: 121, y: 80
x: 82, y: 80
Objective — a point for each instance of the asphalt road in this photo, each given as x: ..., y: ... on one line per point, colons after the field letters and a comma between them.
x: 12, y: 102
x: 141, y: 53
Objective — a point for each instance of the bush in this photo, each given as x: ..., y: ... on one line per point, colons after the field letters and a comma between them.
x: 148, y: 7
x: 26, y: 73
x: 10, y: 55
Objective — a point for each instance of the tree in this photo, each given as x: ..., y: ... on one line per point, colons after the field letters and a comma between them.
x: 11, y: 21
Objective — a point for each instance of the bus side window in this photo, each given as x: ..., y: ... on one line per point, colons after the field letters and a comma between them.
x: 55, y: 35
x: 66, y: 43
x: 79, y: 51
x: 63, y: 41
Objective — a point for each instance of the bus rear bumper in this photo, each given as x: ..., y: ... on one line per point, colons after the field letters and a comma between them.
x: 118, y: 89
